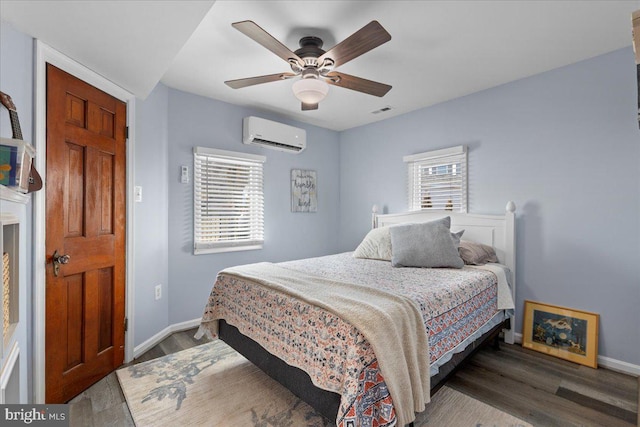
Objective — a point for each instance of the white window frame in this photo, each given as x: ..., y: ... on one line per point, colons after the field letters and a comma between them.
x: 203, y: 242
x: 454, y: 162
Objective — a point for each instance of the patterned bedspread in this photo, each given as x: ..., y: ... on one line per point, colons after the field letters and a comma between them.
x: 454, y: 303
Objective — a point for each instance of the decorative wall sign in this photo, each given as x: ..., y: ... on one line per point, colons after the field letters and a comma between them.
x: 304, y: 195
x: 561, y: 332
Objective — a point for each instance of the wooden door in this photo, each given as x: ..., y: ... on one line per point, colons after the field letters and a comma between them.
x: 85, y: 193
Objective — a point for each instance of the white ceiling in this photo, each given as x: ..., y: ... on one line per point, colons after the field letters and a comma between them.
x: 440, y: 50
x: 132, y: 43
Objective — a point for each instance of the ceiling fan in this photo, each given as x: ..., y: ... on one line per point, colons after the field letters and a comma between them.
x: 314, y: 65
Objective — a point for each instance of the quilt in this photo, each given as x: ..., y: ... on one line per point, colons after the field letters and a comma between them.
x: 336, y: 355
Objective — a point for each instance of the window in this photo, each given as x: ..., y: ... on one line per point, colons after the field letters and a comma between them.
x: 438, y: 180
x: 228, y: 201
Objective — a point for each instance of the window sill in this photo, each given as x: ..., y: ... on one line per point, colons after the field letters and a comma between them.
x: 204, y: 251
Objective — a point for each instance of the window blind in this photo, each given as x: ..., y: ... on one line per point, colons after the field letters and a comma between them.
x: 228, y: 201
x: 438, y: 180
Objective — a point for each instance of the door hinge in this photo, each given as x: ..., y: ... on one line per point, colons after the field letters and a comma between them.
x: 126, y: 132
x: 126, y: 324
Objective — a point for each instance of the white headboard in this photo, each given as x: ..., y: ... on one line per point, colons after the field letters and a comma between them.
x: 497, y: 231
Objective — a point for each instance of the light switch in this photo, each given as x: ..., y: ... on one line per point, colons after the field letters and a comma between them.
x: 184, y: 174
x: 137, y: 193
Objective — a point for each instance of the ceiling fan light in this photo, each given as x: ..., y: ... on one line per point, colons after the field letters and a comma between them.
x: 310, y: 90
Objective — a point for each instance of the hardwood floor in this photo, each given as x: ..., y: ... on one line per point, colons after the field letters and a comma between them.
x: 547, y: 391
x: 537, y: 388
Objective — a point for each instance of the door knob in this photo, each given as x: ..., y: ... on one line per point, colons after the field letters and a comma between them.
x: 57, y: 260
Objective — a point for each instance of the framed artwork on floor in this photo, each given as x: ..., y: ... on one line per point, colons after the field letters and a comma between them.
x: 561, y: 332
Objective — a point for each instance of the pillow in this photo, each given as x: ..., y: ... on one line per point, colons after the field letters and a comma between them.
x: 428, y: 244
x: 375, y: 245
x: 473, y: 253
x: 456, y: 237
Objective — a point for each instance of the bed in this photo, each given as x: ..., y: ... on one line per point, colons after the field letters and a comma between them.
x: 286, y: 318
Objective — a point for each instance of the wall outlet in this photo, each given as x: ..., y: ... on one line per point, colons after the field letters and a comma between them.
x: 158, y: 292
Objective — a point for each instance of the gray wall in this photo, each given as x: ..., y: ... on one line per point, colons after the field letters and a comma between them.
x: 16, y: 80
x: 151, y: 215
x: 199, y: 121
x: 565, y: 146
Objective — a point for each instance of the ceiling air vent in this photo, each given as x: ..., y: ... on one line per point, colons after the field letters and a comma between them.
x: 382, y: 110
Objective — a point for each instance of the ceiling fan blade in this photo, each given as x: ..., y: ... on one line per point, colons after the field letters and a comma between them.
x: 359, y: 84
x: 255, y: 32
x: 240, y: 83
x: 308, y: 107
x: 362, y: 41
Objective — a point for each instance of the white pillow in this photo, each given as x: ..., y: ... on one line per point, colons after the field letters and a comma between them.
x: 375, y: 245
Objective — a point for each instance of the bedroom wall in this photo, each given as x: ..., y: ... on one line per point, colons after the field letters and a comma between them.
x: 198, y: 121
x: 565, y: 146
x: 151, y: 216
x: 16, y: 80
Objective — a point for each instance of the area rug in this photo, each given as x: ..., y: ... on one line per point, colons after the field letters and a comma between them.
x: 213, y: 385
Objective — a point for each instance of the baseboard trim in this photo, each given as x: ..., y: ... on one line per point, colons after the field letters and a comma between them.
x: 183, y: 326
x: 606, y: 362
x: 155, y: 339
x: 517, y: 338
x: 619, y: 366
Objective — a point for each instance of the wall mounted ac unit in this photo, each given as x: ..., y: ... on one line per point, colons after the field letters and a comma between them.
x: 274, y: 135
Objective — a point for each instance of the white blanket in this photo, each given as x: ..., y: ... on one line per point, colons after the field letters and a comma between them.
x: 391, y: 323
x: 505, y: 298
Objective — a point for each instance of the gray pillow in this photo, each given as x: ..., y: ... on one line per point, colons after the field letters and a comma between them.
x: 456, y: 237
x: 427, y: 244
